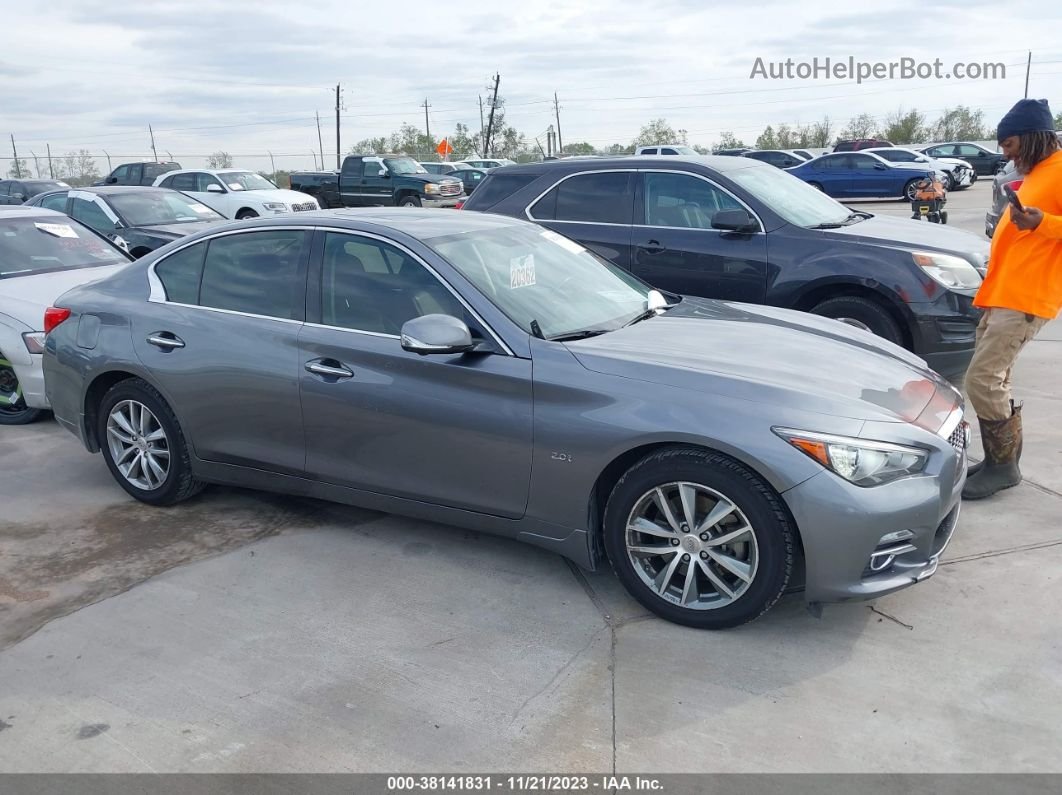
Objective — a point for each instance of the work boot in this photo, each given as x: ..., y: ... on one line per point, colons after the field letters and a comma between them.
x: 1002, y: 441
x: 973, y: 469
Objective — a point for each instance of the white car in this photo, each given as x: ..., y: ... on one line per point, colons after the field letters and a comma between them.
x: 960, y: 173
x: 43, y: 253
x: 490, y: 162
x: 236, y: 193
x: 668, y: 149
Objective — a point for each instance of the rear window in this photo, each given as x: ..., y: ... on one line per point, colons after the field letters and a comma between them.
x: 153, y: 170
x: 496, y: 188
x: 51, y: 243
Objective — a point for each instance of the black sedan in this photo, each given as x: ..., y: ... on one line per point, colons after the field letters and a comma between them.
x: 470, y: 177
x: 985, y: 163
x: 18, y: 191
x: 139, y: 219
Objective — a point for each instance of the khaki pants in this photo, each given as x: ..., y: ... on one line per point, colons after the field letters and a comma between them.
x: 1001, y: 335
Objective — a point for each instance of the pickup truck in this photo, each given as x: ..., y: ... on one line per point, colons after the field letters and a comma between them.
x: 137, y: 173
x: 395, y: 181
x: 322, y: 185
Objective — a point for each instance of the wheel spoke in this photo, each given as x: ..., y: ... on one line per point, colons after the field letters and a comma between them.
x: 156, y: 436
x: 118, y: 434
x: 731, y: 537
x: 124, y: 457
x: 689, y: 590
x: 688, y: 498
x: 159, y: 452
x: 663, y: 579
x: 665, y: 508
x: 153, y: 465
x: 122, y: 422
x: 145, y: 420
x: 135, y: 467
x: 643, y: 525
x: 714, y: 578
x: 740, y: 569
x: 655, y: 549
x: 721, y: 510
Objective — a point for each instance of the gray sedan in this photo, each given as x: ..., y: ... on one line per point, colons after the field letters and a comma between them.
x: 485, y: 372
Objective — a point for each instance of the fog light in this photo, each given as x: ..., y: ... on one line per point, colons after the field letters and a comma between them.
x: 892, y: 538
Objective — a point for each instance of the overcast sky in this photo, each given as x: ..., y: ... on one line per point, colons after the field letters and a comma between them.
x: 247, y: 76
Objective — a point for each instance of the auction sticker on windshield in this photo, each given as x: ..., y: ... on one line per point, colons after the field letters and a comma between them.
x: 59, y: 230
x: 521, y: 271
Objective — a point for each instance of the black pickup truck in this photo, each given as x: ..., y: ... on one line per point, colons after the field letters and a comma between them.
x: 137, y: 173
x: 374, y: 180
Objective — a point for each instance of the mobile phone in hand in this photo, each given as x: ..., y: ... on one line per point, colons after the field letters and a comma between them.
x: 1012, y: 197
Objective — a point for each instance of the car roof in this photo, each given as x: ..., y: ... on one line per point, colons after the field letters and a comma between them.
x: 21, y: 211
x: 720, y: 163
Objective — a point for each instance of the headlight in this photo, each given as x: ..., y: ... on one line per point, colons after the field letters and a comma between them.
x: 34, y: 341
x: 277, y: 207
x: 431, y: 187
x: 952, y: 272
x: 859, y: 461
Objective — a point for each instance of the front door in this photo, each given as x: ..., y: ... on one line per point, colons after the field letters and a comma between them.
x: 675, y: 248
x: 451, y: 430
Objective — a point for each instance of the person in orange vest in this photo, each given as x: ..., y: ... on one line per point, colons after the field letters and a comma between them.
x: 1020, y: 294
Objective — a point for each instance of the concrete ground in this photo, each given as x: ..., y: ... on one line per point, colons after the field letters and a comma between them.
x: 244, y: 632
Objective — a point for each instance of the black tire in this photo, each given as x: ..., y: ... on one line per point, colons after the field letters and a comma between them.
x: 13, y: 408
x: 773, y: 532
x: 944, y: 216
x: 865, y: 313
x: 949, y: 181
x: 245, y: 214
x: 909, y: 190
x: 179, y: 484
x: 409, y: 201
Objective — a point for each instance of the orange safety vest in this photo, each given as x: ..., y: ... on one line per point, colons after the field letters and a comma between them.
x: 1025, y: 267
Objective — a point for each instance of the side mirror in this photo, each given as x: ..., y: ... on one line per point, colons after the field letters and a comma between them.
x: 112, y: 180
x: 734, y: 221
x: 438, y: 334
x: 213, y: 187
x: 19, y: 196
x: 880, y: 167
x: 384, y: 173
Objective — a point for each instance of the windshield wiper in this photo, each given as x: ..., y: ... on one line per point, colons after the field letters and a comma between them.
x: 582, y: 334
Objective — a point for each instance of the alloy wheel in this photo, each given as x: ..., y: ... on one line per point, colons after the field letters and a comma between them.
x: 138, y: 445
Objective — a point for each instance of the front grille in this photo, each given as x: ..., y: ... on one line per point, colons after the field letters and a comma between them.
x: 304, y: 207
x: 450, y: 188
x: 958, y: 437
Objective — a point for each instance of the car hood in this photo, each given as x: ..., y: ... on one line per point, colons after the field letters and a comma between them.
x: 430, y: 177
x: 775, y: 356
x: 174, y: 231
x: 26, y: 297
x: 902, y: 232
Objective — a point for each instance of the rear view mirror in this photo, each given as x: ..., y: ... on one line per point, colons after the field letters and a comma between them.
x: 436, y: 334
x: 734, y: 221
x: 215, y: 188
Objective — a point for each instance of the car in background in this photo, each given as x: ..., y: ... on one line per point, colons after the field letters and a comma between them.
x: 960, y: 174
x: 735, y: 152
x: 470, y: 177
x: 137, y: 219
x: 668, y: 149
x: 323, y: 186
x: 137, y: 173
x: 803, y: 153
x: 861, y: 175
x: 1008, y: 176
x: 236, y: 193
x: 444, y: 168
x: 490, y: 162
x: 735, y: 229
x: 776, y: 157
x: 484, y: 372
x: 19, y: 191
x: 42, y: 255
x: 985, y: 162
x: 857, y: 144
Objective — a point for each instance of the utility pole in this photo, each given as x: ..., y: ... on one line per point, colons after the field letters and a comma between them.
x: 482, y: 129
x: 320, y: 143
x: 1028, y: 68
x: 156, y: 154
x: 36, y: 163
x: 337, y: 126
x: 427, y: 126
x: 14, y: 151
x: 488, y: 143
x: 315, y: 160
x: 51, y: 171
x: 272, y: 165
x: 109, y: 169
x: 556, y: 110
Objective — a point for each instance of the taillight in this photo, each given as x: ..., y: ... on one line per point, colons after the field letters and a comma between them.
x: 53, y: 316
x: 459, y: 205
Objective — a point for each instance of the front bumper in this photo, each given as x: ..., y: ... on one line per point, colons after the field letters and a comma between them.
x: 447, y: 201
x: 842, y: 527
x: 31, y: 381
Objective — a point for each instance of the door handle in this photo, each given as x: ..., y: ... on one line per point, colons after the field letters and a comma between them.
x: 320, y: 368
x: 165, y: 340
x: 654, y: 247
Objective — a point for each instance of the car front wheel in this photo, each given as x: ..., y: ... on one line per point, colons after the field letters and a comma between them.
x: 13, y: 408
x: 698, y: 539
x: 861, y: 313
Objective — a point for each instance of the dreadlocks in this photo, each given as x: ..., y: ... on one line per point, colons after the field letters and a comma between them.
x: 1034, y: 147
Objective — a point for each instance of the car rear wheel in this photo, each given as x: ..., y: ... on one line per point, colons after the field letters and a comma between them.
x: 409, y: 201
x: 909, y: 190
x: 861, y: 313
x: 144, y: 446
x: 13, y: 408
x: 244, y: 214
x: 698, y: 539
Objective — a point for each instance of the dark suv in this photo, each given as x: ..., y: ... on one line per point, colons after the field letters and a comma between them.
x: 138, y: 173
x: 737, y: 229
x: 859, y: 144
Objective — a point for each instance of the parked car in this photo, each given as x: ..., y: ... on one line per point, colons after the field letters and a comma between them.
x: 739, y: 230
x: 1008, y: 176
x: 803, y: 153
x: 960, y: 174
x: 323, y: 186
x: 19, y: 191
x: 136, y: 219
x: 395, y: 180
x: 138, y: 173
x: 986, y: 163
x: 858, y: 144
x: 776, y: 157
x: 444, y: 168
x: 490, y: 162
x: 855, y: 175
x: 470, y: 177
x: 669, y: 149
x: 236, y: 193
x: 42, y: 255
x: 736, y: 152
x: 476, y: 370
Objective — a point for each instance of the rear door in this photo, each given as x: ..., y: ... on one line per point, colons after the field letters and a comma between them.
x: 675, y: 248
x: 595, y: 208
x: 352, y: 184
x: 834, y: 174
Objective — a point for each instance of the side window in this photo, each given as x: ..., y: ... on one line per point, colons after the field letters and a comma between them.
x: 368, y: 285
x: 121, y: 173
x: 91, y: 214
x: 180, y: 274
x: 603, y: 198
x: 56, y: 201
x: 863, y: 163
x: 255, y: 272
x: 968, y: 151
x: 204, y: 181
x: 5, y: 188
x: 683, y: 201
x: 182, y: 182
x: 370, y: 169
x: 651, y: 152
x: 667, y: 151
x: 834, y: 162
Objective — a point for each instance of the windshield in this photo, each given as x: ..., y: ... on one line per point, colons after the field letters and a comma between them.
x: 245, y: 180
x: 404, y: 165
x: 534, y: 274
x: 51, y: 243
x: 162, y: 207
x: 790, y: 197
